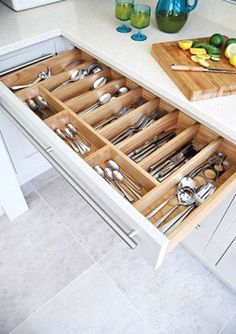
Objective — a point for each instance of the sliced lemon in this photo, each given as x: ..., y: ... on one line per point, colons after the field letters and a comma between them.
x: 185, y: 45
x: 195, y: 59
x: 206, y: 56
x: 204, y: 63
x: 232, y: 60
x: 230, y: 51
x: 198, y: 51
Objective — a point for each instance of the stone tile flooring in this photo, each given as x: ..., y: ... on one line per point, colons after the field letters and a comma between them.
x: 64, y: 271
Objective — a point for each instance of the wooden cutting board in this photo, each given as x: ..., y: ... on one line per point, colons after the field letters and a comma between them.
x: 195, y: 85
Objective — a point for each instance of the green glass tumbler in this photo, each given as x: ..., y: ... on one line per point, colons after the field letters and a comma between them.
x: 140, y: 19
x: 123, y: 13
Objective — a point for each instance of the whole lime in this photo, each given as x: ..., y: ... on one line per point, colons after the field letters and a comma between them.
x: 230, y: 41
x: 216, y: 40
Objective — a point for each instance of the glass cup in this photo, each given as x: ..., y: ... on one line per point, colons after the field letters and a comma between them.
x: 140, y: 19
x: 123, y: 13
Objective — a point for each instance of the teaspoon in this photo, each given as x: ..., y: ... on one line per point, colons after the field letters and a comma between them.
x: 114, y: 166
x: 74, y: 76
x: 120, y: 178
x: 103, y: 99
x: 109, y: 175
x: 99, y: 83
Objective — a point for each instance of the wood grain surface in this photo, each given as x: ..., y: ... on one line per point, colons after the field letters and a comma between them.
x: 195, y: 85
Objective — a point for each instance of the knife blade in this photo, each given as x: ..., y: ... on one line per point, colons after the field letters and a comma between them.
x: 175, y: 67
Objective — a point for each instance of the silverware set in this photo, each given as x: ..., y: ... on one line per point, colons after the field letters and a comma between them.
x: 41, y: 76
x: 150, y: 146
x: 190, y: 193
x: 143, y: 122
x: 75, y: 140
x: 40, y: 107
x: 173, y: 161
x: 104, y: 99
x: 80, y: 74
x: 128, y: 187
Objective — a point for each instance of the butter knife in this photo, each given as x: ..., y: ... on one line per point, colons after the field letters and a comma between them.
x: 175, y: 67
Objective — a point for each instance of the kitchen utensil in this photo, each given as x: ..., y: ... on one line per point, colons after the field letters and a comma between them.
x: 94, y: 68
x: 99, y: 83
x: 114, y: 166
x: 201, y: 195
x: 108, y: 173
x: 185, y: 197
x: 70, y: 142
x: 120, y: 178
x: 159, y: 207
x: 41, y: 76
x: 121, y: 112
x: 100, y: 172
x: 171, y: 15
x: 81, y: 146
x: 194, y: 85
x: 175, y: 67
x: 103, y: 99
x: 73, y: 129
x: 74, y: 76
x: 123, y: 12
x: 140, y: 19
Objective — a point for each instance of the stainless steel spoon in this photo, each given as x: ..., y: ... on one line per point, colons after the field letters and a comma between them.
x: 82, y: 147
x: 103, y: 99
x: 120, y: 178
x: 100, y: 172
x: 75, y: 131
x: 74, y: 76
x: 99, y: 83
x: 114, y: 166
x: 109, y: 175
x: 41, y: 76
x: 70, y: 142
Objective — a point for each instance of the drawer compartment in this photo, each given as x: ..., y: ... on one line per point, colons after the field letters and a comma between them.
x: 128, y: 218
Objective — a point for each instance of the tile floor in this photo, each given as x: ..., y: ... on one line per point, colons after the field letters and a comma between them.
x: 63, y: 271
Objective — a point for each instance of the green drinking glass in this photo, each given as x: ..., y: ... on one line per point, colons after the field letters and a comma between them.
x: 123, y: 13
x: 140, y: 19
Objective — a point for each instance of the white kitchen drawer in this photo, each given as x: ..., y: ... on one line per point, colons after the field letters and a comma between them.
x: 127, y: 220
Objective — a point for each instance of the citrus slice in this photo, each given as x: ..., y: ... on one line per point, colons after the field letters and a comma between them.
x: 230, y: 51
x: 215, y: 58
x: 232, y: 60
x: 185, y: 45
x: 198, y: 51
x: 195, y: 59
x: 204, y: 63
x: 206, y: 56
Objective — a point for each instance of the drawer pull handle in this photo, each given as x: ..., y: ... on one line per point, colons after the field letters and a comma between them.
x: 49, y: 149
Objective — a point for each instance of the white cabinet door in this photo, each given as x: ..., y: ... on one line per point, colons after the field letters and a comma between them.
x: 222, y: 255
x: 198, y: 241
x: 28, y: 162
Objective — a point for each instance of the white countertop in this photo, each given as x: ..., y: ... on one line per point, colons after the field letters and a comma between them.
x: 91, y: 26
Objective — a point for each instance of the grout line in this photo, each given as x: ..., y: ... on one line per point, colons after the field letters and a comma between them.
x: 127, y: 299
x: 44, y: 183
x: 227, y: 322
x: 51, y: 299
x: 66, y: 227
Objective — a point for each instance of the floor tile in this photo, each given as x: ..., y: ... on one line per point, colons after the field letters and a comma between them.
x: 27, y: 188
x: 230, y: 328
x: 39, y: 257
x: 86, y: 225
x: 90, y: 305
x: 180, y: 297
x: 44, y: 178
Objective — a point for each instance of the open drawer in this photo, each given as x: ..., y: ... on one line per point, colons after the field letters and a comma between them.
x: 79, y: 141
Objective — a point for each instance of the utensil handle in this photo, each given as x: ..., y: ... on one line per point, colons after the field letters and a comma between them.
x: 177, y: 219
x: 188, y: 68
x: 159, y: 207
x: 164, y: 217
x: 133, y: 190
x: 126, y: 194
x: 132, y: 181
